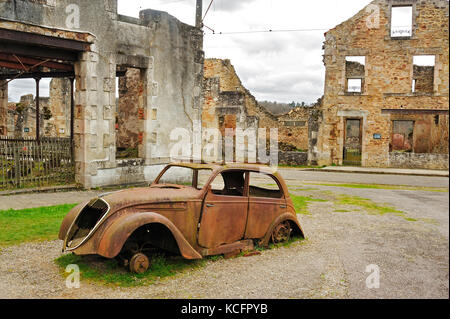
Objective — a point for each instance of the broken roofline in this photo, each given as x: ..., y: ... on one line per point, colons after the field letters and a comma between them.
x: 41, y: 30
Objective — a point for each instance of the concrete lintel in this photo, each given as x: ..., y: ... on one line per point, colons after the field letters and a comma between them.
x: 133, y: 61
x: 353, y: 113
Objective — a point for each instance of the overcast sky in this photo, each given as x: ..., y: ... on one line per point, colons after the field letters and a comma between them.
x: 277, y: 66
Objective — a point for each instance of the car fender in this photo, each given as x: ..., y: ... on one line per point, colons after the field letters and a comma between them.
x: 286, y: 216
x: 121, y: 229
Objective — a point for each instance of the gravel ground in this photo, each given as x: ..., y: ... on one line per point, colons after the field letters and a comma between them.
x: 413, y: 258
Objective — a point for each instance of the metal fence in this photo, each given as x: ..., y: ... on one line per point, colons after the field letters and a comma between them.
x: 29, y: 163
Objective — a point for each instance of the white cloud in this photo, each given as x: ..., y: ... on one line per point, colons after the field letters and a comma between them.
x: 20, y: 87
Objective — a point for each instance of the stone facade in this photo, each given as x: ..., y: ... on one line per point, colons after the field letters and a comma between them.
x: 59, y: 103
x: 293, y: 158
x: 387, y: 96
x: 169, y: 55
x: 413, y: 160
x: 54, y: 110
x: 228, y: 104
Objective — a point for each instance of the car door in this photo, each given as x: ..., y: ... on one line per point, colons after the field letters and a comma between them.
x: 225, y: 210
x: 266, y: 202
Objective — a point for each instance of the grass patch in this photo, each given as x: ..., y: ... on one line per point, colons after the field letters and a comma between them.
x: 379, y: 186
x: 301, y: 203
x: 302, y: 189
x: 110, y: 273
x: 429, y: 221
x: 368, y: 205
x: 341, y: 211
x: 289, y: 243
x: 300, y: 166
x: 30, y: 225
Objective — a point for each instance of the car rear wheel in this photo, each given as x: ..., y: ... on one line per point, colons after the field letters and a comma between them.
x: 139, y: 263
x: 281, y: 233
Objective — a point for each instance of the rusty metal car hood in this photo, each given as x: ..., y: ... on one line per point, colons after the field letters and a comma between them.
x: 144, y: 195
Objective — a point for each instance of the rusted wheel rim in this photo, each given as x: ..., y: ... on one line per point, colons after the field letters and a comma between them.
x: 281, y: 233
x: 139, y: 263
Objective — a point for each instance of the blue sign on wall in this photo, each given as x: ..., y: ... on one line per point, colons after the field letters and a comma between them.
x: 377, y: 136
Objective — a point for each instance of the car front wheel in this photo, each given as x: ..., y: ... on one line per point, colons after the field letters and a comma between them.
x: 281, y: 233
x: 139, y: 263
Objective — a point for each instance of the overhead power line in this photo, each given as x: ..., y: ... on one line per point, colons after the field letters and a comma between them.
x: 265, y: 31
x: 207, y: 10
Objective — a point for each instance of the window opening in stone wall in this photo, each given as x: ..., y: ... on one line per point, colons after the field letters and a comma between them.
x: 36, y: 139
x: 423, y: 73
x: 401, y: 21
x: 129, y: 113
x: 402, y: 136
x: 355, y: 73
x: 54, y: 108
x: 21, y: 110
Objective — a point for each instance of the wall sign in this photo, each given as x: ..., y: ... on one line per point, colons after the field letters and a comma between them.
x: 377, y: 136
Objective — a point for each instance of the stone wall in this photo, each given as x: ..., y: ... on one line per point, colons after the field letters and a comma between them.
x: 419, y: 161
x: 387, y: 89
x: 59, y: 104
x: 168, y: 53
x: 293, y: 158
x: 225, y: 95
x: 424, y: 76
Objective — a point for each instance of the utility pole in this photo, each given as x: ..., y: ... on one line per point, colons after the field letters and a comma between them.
x: 198, y: 16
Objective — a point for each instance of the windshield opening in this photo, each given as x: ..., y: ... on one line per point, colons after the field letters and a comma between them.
x: 185, y: 176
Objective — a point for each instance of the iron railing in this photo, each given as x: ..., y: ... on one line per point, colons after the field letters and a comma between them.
x: 26, y: 163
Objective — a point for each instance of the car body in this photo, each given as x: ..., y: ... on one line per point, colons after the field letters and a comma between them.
x: 194, y: 210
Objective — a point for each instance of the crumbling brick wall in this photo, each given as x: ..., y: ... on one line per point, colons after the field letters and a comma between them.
x: 387, y: 90
x: 128, y: 125
x: 424, y: 77
x: 225, y: 94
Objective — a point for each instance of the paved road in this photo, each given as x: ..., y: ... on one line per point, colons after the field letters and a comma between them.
x: 386, y: 179
x: 48, y: 199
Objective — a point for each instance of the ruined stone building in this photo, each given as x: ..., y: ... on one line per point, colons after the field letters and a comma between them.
x: 228, y: 104
x: 91, y: 45
x: 386, y: 100
x: 55, y: 109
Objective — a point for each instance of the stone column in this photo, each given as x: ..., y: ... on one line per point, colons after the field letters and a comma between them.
x: 3, y: 107
x: 93, y: 125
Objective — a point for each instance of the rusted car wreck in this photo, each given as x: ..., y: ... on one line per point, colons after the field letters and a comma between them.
x: 194, y: 210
